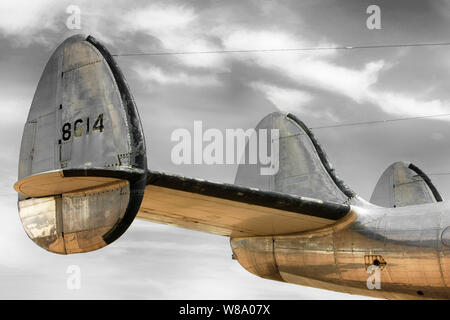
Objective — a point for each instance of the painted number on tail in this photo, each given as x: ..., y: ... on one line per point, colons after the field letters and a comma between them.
x: 81, y: 126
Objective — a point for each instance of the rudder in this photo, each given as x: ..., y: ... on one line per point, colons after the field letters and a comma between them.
x: 404, y: 184
x: 304, y: 169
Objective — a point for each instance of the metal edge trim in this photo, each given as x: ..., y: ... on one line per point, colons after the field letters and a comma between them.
x: 323, y: 158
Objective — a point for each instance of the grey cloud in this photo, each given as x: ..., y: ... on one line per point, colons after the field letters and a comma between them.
x: 160, y: 262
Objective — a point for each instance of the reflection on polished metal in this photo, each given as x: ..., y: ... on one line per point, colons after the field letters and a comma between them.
x: 54, y: 183
x: 407, y: 242
x: 304, y: 169
x: 82, y: 167
x: 76, y: 221
x: 403, y: 184
x: 83, y: 174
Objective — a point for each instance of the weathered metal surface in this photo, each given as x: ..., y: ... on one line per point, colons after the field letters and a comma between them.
x: 39, y: 219
x: 402, y: 185
x: 54, y: 183
x: 83, y: 134
x: 302, y: 170
x: 232, y: 210
x: 416, y: 264
x: 256, y: 255
x: 75, y: 222
x: 88, y: 214
x: 96, y: 180
x: 407, y: 243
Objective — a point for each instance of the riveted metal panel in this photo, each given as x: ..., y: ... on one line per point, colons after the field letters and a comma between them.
x: 95, y: 208
x: 302, y: 171
x: 27, y: 149
x: 403, y: 184
x: 256, y: 255
x: 83, y: 136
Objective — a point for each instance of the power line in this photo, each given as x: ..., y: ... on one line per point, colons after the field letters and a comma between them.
x: 439, y: 174
x: 385, y: 121
x: 346, y: 124
x: 398, y: 45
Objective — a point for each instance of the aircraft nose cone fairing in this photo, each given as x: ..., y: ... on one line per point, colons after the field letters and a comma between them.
x: 82, y: 167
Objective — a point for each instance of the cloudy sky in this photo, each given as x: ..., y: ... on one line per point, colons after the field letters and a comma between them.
x: 226, y: 91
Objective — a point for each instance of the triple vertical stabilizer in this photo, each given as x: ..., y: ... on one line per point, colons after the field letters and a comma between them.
x: 403, y: 184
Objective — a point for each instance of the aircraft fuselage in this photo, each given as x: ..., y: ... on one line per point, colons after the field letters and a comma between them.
x: 408, y: 246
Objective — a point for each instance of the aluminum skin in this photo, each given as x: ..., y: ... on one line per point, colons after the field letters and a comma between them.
x: 83, y: 178
x: 409, y: 244
x: 82, y: 164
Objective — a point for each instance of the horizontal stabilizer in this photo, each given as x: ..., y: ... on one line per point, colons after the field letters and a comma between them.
x: 231, y: 210
x: 403, y: 184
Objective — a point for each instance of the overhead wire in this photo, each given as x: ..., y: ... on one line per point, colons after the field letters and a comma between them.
x: 376, y: 46
x: 353, y: 47
x: 349, y: 124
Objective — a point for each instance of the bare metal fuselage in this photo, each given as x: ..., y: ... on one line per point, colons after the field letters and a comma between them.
x: 410, y: 245
x: 83, y: 178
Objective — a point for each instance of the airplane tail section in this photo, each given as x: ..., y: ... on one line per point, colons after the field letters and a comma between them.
x: 303, y: 167
x: 403, y: 184
x: 82, y: 166
x: 83, y: 174
x: 298, y: 190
